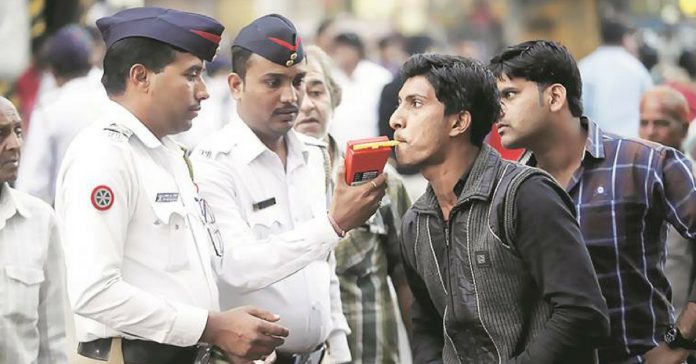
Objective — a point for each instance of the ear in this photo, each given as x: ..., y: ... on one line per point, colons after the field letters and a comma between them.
x: 460, y: 124
x: 556, y: 97
x: 140, y: 77
x: 236, y: 85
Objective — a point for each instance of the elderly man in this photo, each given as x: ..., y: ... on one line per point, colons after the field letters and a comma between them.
x: 664, y: 119
x: 31, y: 263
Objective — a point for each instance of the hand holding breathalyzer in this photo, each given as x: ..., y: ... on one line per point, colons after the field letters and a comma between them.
x: 353, y: 204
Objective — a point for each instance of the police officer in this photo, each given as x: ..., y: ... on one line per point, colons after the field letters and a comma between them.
x: 138, y: 246
x: 267, y: 186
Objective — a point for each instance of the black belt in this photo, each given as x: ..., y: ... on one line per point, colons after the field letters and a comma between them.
x: 313, y: 357
x: 139, y: 352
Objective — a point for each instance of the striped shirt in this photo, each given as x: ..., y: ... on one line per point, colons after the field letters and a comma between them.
x: 626, y: 191
x: 364, y: 260
x: 32, y: 281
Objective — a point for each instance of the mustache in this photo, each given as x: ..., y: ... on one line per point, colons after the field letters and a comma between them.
x: 286, y: 110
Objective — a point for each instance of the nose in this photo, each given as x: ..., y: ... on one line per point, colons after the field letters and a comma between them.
x: 307, y: 105
x: 502, y: 111
x: 396, y: 121
x: 13, y: 142
x: 290, y: 95
x: 201, y: 91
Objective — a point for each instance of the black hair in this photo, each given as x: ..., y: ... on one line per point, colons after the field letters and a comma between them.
x: 240, y: 57
x: 544, y: 62
x: 123, y: 54
x: 352, y: 40
x: 613, y: 31
x: 462, y: 84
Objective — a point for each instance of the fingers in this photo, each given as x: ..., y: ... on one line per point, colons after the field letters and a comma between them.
x: 273, y: 330
x: 263, y: 314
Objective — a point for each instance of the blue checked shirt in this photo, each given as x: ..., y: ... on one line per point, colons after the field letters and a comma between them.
x: 626, y: 191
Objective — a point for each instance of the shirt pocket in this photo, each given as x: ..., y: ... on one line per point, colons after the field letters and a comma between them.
x: 22, y: 297
x: 171, y: 224
x: 265, y: 222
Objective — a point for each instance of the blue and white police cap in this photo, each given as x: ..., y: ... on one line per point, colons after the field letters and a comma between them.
x: 194, y: 33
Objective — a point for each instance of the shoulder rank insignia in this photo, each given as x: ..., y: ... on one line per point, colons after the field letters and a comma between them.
x: 118, y: 132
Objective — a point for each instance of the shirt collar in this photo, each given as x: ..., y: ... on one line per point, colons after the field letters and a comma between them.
x: 594, y: 145
x: 127, y: 119
x: 10, y: 204
x: 249, y: 146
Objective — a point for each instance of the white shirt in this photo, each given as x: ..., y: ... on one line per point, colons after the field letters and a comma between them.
x: 357, y: 117
x: 139, y: 266
x: 32, y: 286
x: 15, y: 34
x: 53, y: 126
x: 278, y: 257
x: 613, y: 82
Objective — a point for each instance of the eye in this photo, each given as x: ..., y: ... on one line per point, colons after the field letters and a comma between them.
x: 18, y: 131
x: 416, y: 104
x: 272, y: 83
x: 298, y: 82
x: 193, y: 75
x: 509, y: 94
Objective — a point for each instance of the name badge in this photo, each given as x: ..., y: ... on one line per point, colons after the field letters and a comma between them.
x: 264, y: 204
x: 167, y: 197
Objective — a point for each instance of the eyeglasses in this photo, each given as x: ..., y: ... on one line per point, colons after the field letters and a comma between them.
x: 211, y: 227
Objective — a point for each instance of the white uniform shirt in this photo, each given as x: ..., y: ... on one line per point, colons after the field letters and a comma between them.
x: 276, y: 257
x: 138, y: 253
x: 53, y: 126
x: 613, y: 82
x: 357, y: 116
x: 32, y: 286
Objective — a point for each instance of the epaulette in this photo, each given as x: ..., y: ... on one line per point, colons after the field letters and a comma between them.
x: 118, y: 133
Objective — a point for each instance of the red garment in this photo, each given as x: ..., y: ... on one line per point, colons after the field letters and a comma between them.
x: 27, y: 88
x: 494, y: 141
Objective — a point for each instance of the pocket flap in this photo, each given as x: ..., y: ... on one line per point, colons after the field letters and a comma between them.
x: 164, y: 210
x: 26, y: 275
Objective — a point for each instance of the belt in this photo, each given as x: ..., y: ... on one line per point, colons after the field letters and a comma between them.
x: 313, y: 357
x: 139, y: 351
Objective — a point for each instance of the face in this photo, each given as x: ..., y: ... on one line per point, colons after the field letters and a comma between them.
x: 658, y: 125
x: 269, y: 97
x: 176, y: 93
x: 523, y: 116
x: 10, y: 141
x: 345, y: 56
x: 420, y: 124
x: 315, y: 111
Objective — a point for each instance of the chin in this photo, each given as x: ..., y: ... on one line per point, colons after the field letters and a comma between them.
x: 308, y: 130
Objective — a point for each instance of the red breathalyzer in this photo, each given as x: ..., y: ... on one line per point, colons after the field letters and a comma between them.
x: 365, y: 158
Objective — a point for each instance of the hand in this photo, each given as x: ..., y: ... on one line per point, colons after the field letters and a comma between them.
x: 244, y: 332
x: 663, y: 354
x: 353, y: 205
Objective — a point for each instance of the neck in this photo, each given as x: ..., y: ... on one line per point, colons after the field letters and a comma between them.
x: 444, y: 176
x: 140, y: 113
x: 562, y: 148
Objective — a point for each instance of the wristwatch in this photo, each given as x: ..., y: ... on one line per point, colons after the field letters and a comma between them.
x: 674, y: 339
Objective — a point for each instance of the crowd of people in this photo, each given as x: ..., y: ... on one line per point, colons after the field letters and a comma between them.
x: 188, y: 208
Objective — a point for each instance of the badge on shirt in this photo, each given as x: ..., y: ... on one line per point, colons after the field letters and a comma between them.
x: 167, y: 197
x: 264, y: 204
x: 483, y: 259
x: 102, y: 197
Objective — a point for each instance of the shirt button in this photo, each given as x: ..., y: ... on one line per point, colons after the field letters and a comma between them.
x: 176, y: 227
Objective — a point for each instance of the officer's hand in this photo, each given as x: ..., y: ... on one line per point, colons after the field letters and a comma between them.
x: 353, y: 205
x: 245, y: 332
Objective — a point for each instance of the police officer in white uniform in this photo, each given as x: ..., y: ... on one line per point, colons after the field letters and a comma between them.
x: 268, y: 188
x: 138, y: 246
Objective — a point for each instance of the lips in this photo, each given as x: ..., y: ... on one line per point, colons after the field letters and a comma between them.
x: 11, y: 162
x: 309, y: 121
x: 286, y: 111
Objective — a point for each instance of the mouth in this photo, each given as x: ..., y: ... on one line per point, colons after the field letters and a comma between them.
x: 194, y: 110
x: 286, y: 112
x: 12, y: 163
x: 308, y: 121
x: 501, y: 127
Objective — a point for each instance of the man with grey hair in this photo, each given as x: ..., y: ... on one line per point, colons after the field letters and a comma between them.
x: 32, y: 273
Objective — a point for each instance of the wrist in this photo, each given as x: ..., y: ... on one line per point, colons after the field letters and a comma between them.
x: 675, y: 340
x: 210, y: 330
x: 337, y: 228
